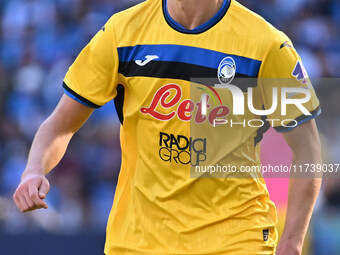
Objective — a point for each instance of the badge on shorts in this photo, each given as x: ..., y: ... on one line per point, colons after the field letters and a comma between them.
x: 265, y: 235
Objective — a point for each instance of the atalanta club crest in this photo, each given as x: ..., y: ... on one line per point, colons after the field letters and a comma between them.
x: 226, y: 70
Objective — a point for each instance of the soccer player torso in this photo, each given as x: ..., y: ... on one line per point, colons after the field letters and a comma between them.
x: 162, y: 204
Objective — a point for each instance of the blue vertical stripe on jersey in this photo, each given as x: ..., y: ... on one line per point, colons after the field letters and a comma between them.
x: 189, y: 55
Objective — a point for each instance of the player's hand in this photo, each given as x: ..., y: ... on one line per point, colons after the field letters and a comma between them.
x: 31, y: 193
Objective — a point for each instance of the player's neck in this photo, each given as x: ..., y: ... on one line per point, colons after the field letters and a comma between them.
x: 193, y: 13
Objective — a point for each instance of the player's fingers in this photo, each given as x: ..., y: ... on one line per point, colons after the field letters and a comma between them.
x: 44, y: 188
x: 20, y: 200
x: 33, y: 193
x: 31, y: 205
x: 24, y: 206
x: 17, y: 201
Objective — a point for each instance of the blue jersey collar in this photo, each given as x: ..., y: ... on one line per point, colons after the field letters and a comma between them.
x: 200, y: 29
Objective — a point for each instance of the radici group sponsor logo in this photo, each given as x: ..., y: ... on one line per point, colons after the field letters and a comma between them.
x: 180, y: 149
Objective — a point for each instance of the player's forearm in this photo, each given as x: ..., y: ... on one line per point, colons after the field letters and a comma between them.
x: 48, y: 147
x: 54, y: 135
x: 302, y: 196
x: 303, y: 192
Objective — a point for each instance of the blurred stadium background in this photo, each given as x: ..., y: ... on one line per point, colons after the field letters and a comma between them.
x: 39, y: 39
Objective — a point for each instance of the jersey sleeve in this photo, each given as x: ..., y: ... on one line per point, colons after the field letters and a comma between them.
x: 282, y: 69
x: 92, y: 78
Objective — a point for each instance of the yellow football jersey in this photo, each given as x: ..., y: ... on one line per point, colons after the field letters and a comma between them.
x: 145, y: 61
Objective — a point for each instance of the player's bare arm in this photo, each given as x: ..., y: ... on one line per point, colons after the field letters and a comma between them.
x: 305, y: 145
x: 48, y: 148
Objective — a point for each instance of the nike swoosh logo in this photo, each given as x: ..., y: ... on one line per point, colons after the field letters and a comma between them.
x: 147, y: 60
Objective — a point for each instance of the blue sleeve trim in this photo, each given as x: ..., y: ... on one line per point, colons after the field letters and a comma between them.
x: 300, y: 120
x: 69, y: 92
